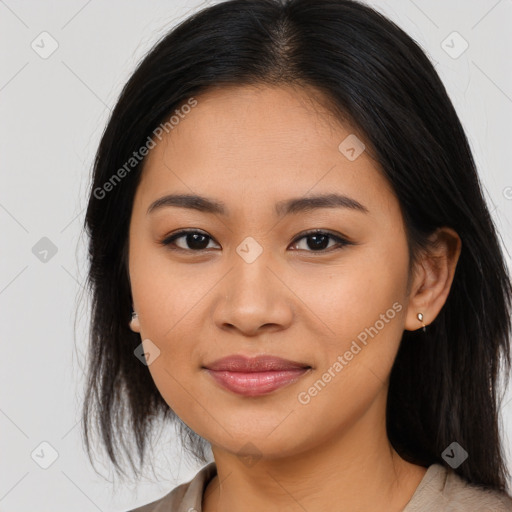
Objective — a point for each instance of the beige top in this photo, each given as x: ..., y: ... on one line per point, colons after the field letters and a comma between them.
x: 440, y: 490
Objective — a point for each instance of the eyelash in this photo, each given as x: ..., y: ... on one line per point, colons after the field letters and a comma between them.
x: 168, y: 241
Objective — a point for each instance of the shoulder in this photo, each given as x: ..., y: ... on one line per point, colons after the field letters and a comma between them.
x: 184, y: 497
x: 470, y: 497
x: 444, y: 490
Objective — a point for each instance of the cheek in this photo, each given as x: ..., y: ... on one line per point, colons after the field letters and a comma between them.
x: 351, y: 296
x: 165, y: 298
x: 362, y: 304
x: 164, y: 292
x: 166, y: 309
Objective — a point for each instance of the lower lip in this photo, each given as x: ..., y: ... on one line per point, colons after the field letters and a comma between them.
x: 256, y: 383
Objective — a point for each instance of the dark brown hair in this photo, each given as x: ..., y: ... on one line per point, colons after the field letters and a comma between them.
x: 444, y: 383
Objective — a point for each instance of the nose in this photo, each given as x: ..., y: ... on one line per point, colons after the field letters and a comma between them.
x: 253, y: 298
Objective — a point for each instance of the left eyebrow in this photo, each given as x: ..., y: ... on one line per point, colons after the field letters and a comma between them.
x: 285, y: 207
x: 302, y: 204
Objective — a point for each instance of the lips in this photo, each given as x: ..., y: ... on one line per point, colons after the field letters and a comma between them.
x: 255, y: 376
x: 238, y: 363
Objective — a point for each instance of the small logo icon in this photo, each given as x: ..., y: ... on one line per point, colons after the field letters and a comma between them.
x: 44, y: 45
x: 454, y: 45
x: 44, y: 455
x: 147, y: 352
x: 44, y: 250
x: 351, y: 147
x: 249, y: 454
x: 455, y: 455
x: 249, y: 250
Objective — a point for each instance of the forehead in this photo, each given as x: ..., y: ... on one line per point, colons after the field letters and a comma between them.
x: 253, y: 141
x: 271, y: 118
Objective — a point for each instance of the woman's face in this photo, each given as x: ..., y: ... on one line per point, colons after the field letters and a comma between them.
x: 253, y: 282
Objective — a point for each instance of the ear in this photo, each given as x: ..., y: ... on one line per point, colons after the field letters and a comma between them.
x: 134, y: 323
x: 433, y: 277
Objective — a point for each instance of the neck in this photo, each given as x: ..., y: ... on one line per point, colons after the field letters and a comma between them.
x: 357, y: 468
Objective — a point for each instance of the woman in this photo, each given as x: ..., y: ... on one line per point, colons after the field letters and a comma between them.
x: 292, y: 257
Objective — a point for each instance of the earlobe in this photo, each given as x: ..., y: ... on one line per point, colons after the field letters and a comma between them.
x: 134, y: 323
x: 416, y: 320
x: 434, y: 280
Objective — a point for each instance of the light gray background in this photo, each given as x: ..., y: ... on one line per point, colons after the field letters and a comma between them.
x: 52, y: 113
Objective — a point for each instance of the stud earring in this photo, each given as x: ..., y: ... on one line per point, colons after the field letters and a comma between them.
x: 134, y: 323
x: 420, y: 318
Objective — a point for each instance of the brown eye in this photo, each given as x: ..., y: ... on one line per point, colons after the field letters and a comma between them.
x: 192, y: 240
x: 318, y: 241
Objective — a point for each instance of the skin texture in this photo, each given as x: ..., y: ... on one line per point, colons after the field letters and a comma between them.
x: 251, y: 147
